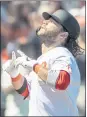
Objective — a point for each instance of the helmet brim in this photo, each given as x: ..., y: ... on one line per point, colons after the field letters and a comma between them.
x: 47, y: 16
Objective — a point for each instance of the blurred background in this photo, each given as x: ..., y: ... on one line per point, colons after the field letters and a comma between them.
x: 19, y: 20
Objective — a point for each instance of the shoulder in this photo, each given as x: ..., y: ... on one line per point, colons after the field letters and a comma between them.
x: 64, y: 56
x: 58, y: 53
x: 62, y: 50
x: 62, y: 53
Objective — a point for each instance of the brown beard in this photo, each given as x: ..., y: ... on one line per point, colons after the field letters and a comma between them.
x: 48, y: 35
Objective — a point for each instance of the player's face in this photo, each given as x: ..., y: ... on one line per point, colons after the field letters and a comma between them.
x: 49, y: 28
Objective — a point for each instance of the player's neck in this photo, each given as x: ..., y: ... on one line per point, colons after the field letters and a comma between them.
x: 49, y: 44
x: 46, y: 48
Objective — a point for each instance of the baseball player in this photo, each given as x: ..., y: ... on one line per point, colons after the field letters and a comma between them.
x: 51, y: 82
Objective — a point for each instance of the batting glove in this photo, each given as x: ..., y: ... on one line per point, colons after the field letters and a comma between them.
x: 25, y: 61
x: 10, y: 66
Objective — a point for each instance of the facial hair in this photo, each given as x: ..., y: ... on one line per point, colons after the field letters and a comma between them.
x: 46, y: 36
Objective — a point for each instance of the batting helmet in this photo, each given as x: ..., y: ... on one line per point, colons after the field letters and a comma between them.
x: 66, y: 20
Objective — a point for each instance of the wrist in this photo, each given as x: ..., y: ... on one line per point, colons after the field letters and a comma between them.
x: 14, y: 79
x: 14, y: 74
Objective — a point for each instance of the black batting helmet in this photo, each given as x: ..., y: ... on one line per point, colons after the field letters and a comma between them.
x: 66, y: 20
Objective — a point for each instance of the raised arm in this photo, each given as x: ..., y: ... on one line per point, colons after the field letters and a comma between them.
x: 19, y: 82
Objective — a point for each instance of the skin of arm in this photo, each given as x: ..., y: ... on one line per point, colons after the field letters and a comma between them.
x: 18, y: 84
x: 43, y: 73
x: 21, y: 86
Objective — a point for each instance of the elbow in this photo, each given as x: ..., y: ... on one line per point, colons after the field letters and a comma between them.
x: 63, y: 80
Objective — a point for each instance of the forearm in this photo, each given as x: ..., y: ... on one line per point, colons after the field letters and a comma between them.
x: 21, y: 85
x: 17, y: 82
x: 43, y: 73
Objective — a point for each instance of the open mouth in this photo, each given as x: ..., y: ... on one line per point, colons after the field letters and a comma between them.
x: 38, y: 30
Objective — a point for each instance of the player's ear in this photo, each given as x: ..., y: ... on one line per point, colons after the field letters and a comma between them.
x: 63, y: 35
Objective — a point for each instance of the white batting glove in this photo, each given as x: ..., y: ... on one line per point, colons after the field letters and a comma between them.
x: 24, y: 55
x: 10, y: 66
x: 25, y: 61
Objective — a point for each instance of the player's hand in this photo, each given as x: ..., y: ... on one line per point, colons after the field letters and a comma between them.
x: 26, y: 64
x: 25, y: 61
x: 24, y: 56
x: 10, y: 66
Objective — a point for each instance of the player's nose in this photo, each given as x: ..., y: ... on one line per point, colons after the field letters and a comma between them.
x: 45, y: 23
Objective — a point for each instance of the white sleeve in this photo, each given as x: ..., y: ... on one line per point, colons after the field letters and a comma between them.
x: 55, y: 69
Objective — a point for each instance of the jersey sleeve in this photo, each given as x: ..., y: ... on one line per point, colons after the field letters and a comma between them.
x: 59, y: 74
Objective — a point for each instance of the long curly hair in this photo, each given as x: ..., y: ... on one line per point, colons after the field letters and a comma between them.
x: 73, y: 47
